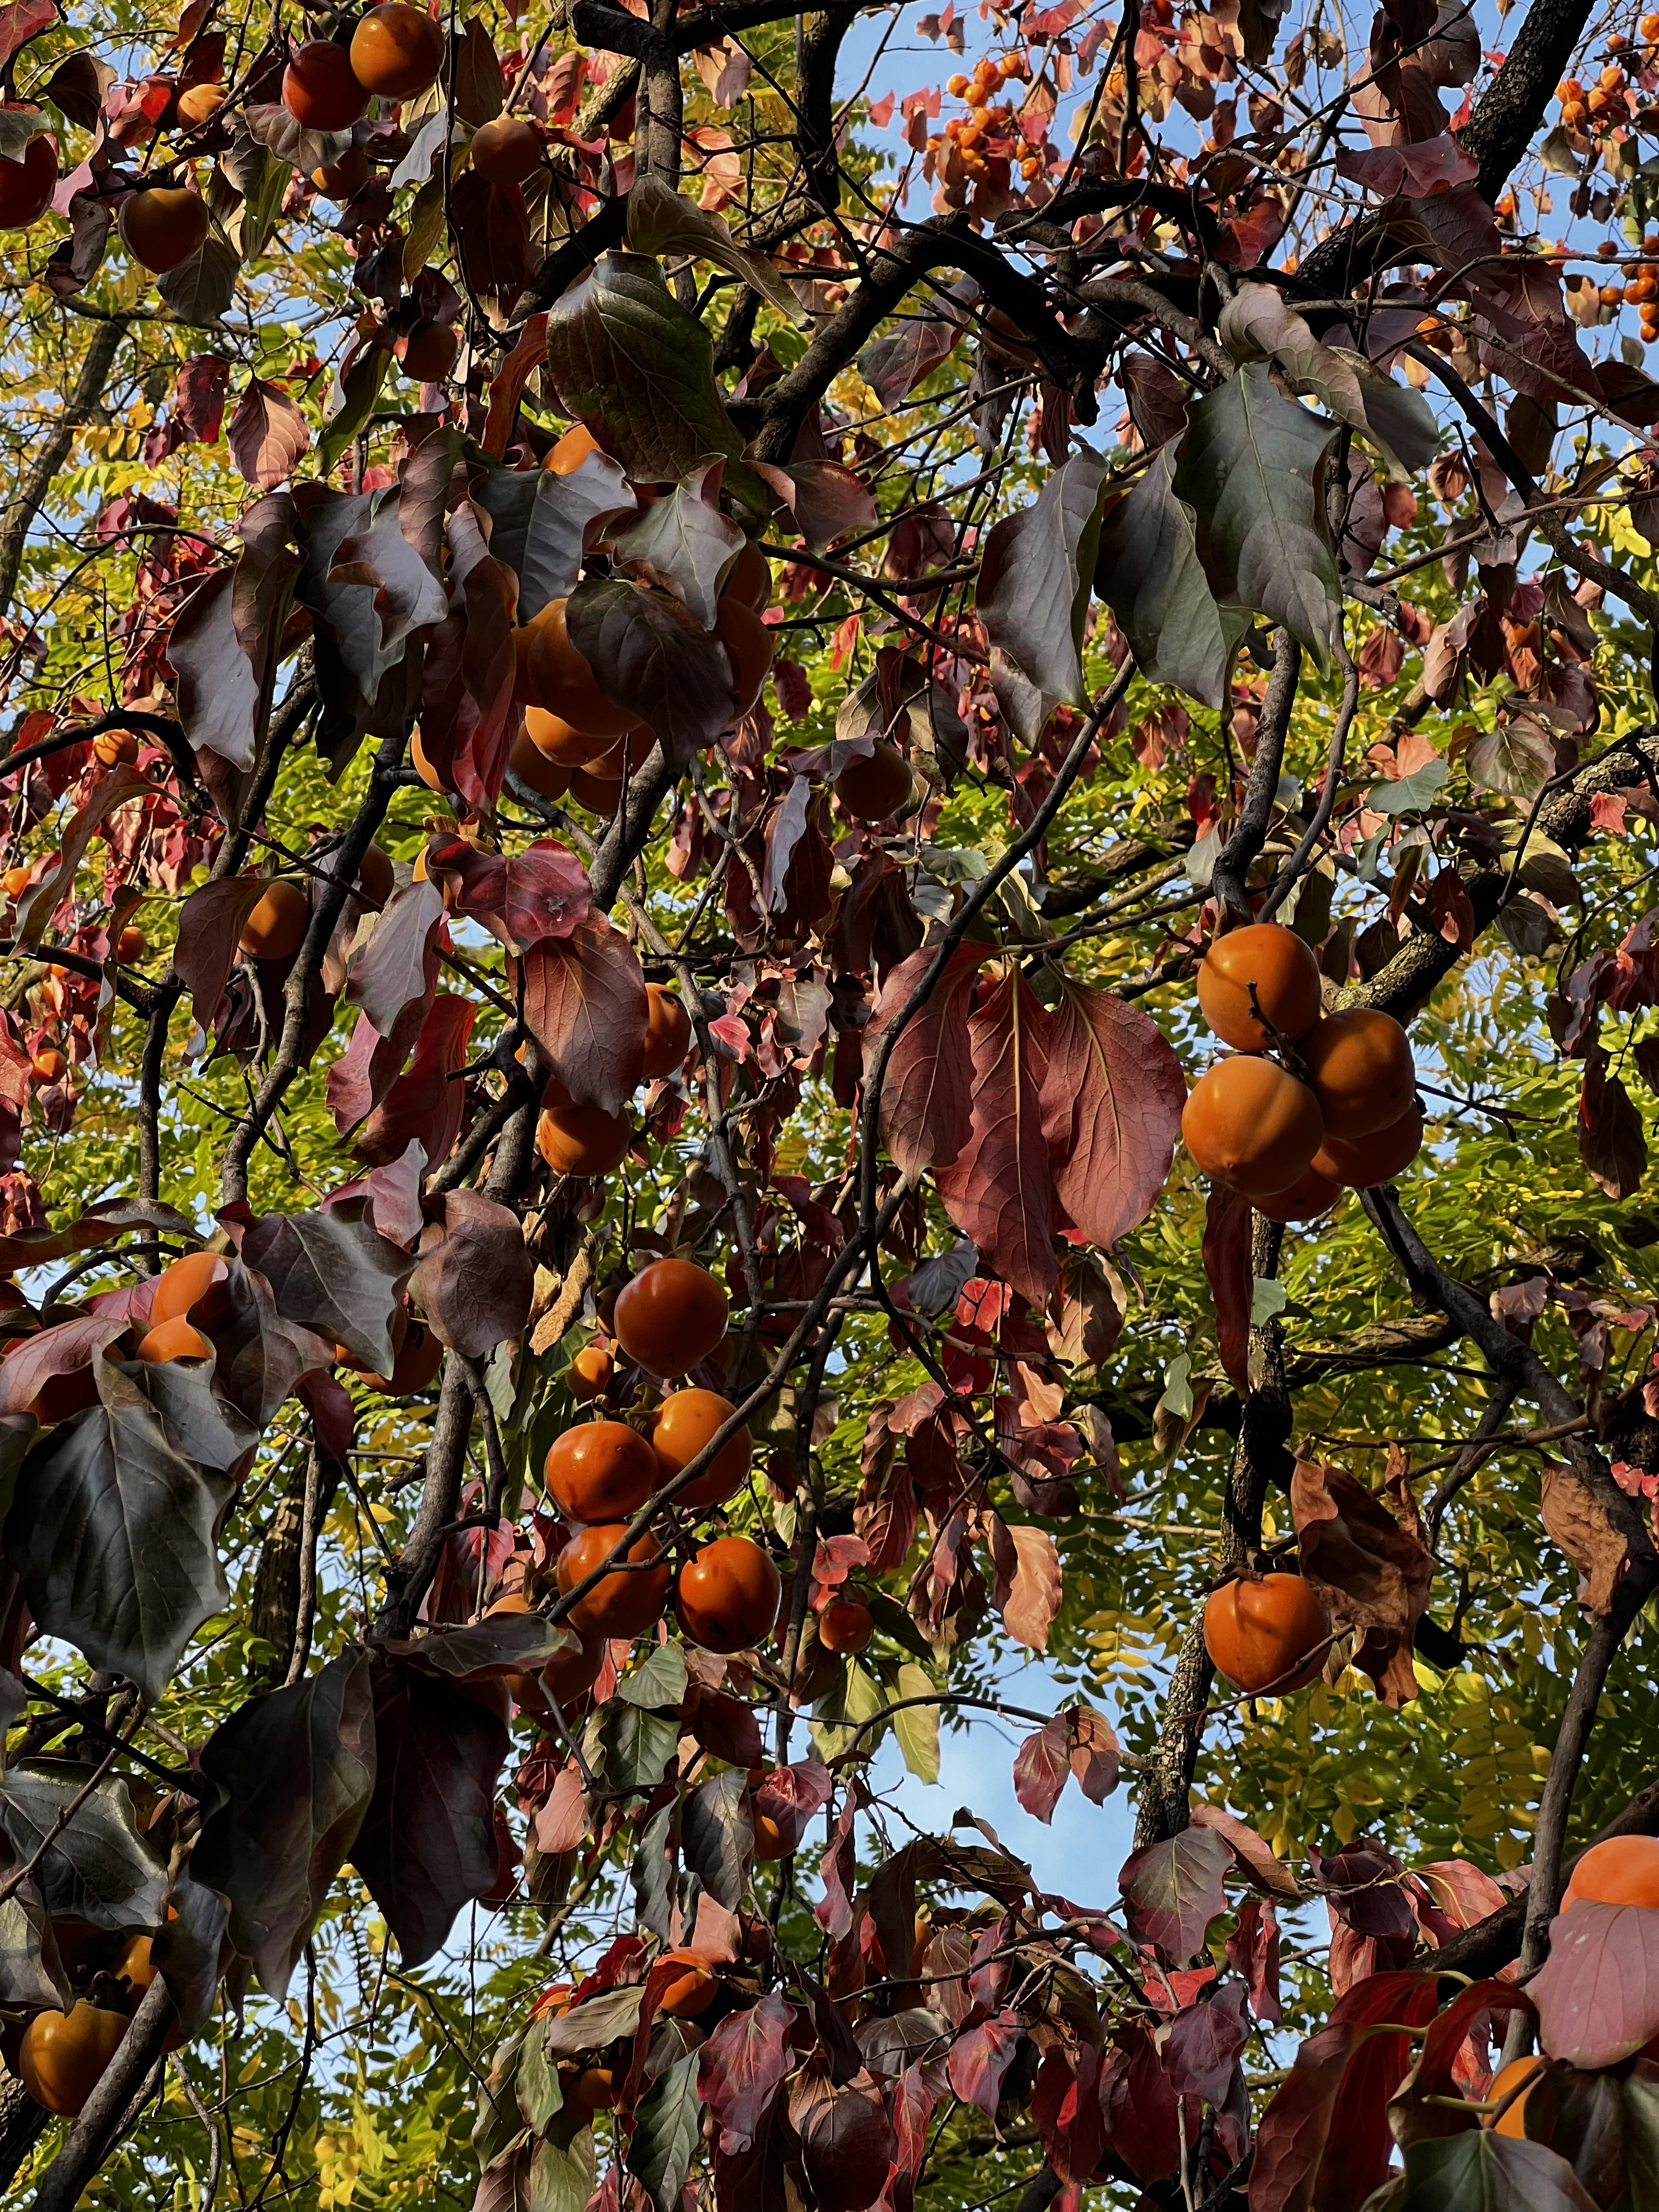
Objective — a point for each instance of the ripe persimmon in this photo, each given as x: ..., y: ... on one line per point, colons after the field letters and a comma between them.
x: 49, y: 1065
x: 590, y: 1371
x: 749, y: 647
x: 275, y: 928
x: 15, y: 881
x: 1624, y: 1870
x: 1311, y: 1194
x: 749, y: 579
x: 569, y: 452
x: 593, y: 2090
x: 873, y: 786
x: 429, y: 352
x: 557, y: 678
x: 1285, y: 978
x: 1358, y: 1162
x: 692, y: 1991
x: 572, y: 1673
x: 397, y: 50
x: 135, y: 1965
x: 64, y: 2056
x: 535, y: 770
x: 1267, y: 1635
x: 685, y: 1422
x: 770, y: 1841
x: 115, y: 748
x: 625, y: 1601
x: 506, y: 150
x: 415, y: 1364
x: 130, y: 945
x: 671, y: 1316
x: 26, y: 186
x: 582, y: 1140
x: 1359, y: 1063
x: 667, y: 1031
x: 320, y: 90
x: 600, y: 1471
x: 197, y: 104
x: 1250, y: 1123
x: 561, y: 741
x: 845, y: 1625
x: 1512, y: 2122
x: 420, y: 760
x: 172, y: 1340
x: 163, y: 225
x: 727, y: 1594
x: 180, y: 1287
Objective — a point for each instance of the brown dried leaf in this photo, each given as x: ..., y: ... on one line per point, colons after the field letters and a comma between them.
x: 1372, y: 1574
x: 1578, y: 1524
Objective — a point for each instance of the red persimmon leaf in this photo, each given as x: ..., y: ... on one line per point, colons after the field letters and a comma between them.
x: 541, y: 892
x: 427, y: 1843
x: 792, y: 1795
x: 1204, y: 2041
x: 267, y: 434
x: 398, y: 967
x: 1251, y: 1852
x: 1324, y: 2138
x: 584, y: 1003
x: 209, y: 923
x: 998, y: 1189
x: 297, y: 1771
x: 1227, y: 1263
x: 1410, y: 2114
x: 475, y: 1279
x: 1113, y: 1094
x: 1093, y: 1756
x: 978, y: 2060
x: 924, y: 1093
x: 1034, y: 1596
x: 653, y: 657
x: 333, y: 1272
x: 1066, y: 2111
x: 198, y: 397
x: 742, y: 2067
x: 1041, y: 1767
x: 846, y: 2139
x: 1172, y: 1892
x: 1597, y: 1993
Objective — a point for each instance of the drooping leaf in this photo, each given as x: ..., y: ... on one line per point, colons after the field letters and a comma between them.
x: 202, y: 289
x: 743, y: 2066
x: 925, y: 1097
x: 96, y: 1866
x: 1227, y: 1266
x: 1172, y: 1892
x: 717, y: 1837
x: 1251, y: 468
x: 846, y: 2143
x: 1037, y: 574
x: 1372, y: 1573
x: 1112, y: 1097
x: 688, y: 542
x: 544, y: 523
x: 522, y: 897
x: 397, y: 968
x: 209, y: 923
x: 427, y: 1844
x: 916, y: 1729
x: 627, y: 360
x: 1033, y: 1598
x: 267, y: 434
x: 333, y: 1272
x: 1148, y: 571
x: 113, y: 1534
x: 661, y: 220
x: 651, y: 656
x: 667, y: 2134
x: 218, y: 691
x: 1041, y: 1767
x: 584, y: 1004
x: 998, y: 1189
x: 1597, y: 1993
x: 977, y: 2060
x: 298, y: 1772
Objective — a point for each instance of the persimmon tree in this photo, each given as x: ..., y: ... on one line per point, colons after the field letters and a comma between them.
x: 828, y: 915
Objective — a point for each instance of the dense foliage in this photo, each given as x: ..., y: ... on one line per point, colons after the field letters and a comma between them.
x: 659, y: 706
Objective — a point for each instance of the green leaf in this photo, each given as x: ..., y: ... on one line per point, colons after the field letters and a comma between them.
x: 1410, y: 794
x: 628, y: 361
x: 660, y: 222
x: 1268, y: 1298
x: 634, y: 1746
x: 665, y: 2133
x: 658, y: 1683
x: 97, y: 1868
x: 561, y: 2174
x: 360, y: 388
x: 1257, y: 324
x: 1516, y: 758
x: 1149, y: 573
x: 1483, y: 2171
x: 717, y: 1839
x: 917, y: 1730
x: 113, y: 1534
x: 200, y: 289
x: 538, y: 2084
x: 425, y: 227
x: 1035, y: 576
x: 499, y: 2120
x: 1251, y: 465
